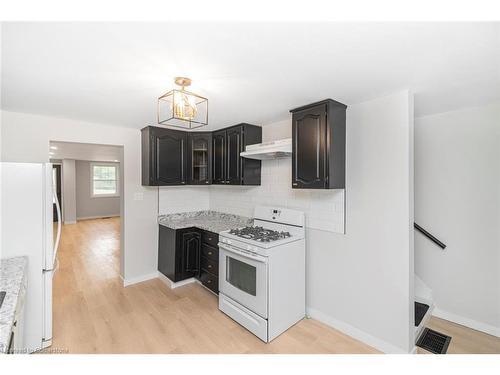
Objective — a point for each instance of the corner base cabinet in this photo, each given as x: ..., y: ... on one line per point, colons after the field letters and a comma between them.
x: 318, y: 145
x: 187, y: 253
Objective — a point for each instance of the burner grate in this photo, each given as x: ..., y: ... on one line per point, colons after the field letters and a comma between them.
x: 259, y: 234
x: 433, y: 341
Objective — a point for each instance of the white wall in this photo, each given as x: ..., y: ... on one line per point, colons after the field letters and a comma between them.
x: 457, y: 198
x: 88, y: 206
x: 363, y: 281
x: 69, y: 191
x: 360, y: 282
x: 25, y: 138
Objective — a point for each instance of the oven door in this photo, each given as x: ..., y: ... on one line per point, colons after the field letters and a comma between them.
x: 243, y: 278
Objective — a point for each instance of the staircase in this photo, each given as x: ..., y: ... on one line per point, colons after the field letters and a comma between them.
x: 423, y: 294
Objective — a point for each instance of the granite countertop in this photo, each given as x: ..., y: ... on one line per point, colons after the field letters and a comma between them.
x: 12, y: 281
x: 211, y: 221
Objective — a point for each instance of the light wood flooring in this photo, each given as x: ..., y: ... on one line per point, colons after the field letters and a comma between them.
x: 464, y: 340
x: 94, y: 313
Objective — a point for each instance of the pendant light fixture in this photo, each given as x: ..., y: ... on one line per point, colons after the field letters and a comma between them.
x: 181, y: 108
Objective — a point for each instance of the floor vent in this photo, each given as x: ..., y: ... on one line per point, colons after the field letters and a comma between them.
x: 420, y: 310
x: 433, y: 341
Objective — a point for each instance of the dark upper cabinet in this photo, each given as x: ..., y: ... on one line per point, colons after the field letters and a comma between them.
x: 164, y: 156
x: 318, y: 145
x: 174, y: 157
x: 228, y: 166
x: 233, y: 160
x: 219, y: 157
x: 199, y: 158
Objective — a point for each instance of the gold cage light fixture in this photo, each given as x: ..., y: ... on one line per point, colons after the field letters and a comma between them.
x: 181, y: 108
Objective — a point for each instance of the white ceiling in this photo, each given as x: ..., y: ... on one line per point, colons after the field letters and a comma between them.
x: 251, y: 72
x: 85, y: 151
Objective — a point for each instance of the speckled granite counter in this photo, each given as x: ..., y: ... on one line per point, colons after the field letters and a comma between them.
x: 212, y: 221
x: 13, y: 282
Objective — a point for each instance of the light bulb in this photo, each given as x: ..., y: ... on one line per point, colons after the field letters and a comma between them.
x: 184, y: 106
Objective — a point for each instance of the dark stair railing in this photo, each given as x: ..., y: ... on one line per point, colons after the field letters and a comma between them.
x: 429, y: 236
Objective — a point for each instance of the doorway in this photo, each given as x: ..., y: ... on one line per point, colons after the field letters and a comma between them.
x: 57, y: 184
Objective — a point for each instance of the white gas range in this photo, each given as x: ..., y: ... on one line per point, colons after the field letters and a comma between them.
x: 262, y: 272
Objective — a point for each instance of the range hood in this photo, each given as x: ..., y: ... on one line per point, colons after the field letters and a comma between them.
x: 269, y: 150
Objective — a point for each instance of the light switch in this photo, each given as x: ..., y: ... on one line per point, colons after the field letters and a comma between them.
x: 138, y: 196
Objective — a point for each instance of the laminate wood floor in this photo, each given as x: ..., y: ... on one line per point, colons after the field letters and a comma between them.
x: 94, y: 313
x: 464, y: 340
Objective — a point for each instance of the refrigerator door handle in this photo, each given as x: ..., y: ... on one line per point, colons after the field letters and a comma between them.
x: 59, y: 228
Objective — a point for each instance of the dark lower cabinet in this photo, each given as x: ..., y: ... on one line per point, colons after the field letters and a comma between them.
x: 210, y: 281
x: 190, y: 247
x: 190, y: 252
x: 179, y: 253
x: 318, y: 145
x: 209, y: 261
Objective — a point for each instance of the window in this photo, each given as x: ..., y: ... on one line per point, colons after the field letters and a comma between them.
x: 104, y: 180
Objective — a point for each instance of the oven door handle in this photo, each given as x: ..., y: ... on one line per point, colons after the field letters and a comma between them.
x: 243, y: 253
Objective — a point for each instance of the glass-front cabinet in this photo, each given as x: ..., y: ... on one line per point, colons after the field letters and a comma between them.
x: 199, y: 158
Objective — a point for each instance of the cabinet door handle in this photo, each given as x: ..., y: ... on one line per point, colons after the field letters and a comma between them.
x: 209, y: 266
x: 210, y: 238
x: 209, y: 282
x: 209, y: 253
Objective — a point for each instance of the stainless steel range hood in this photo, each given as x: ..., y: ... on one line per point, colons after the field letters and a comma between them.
x: 269, y: 150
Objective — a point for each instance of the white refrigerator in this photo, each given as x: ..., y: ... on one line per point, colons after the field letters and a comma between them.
x: 28, y: 230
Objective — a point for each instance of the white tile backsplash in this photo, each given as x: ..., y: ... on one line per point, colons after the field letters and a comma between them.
x: 183, y: 199
x: 324, y: 209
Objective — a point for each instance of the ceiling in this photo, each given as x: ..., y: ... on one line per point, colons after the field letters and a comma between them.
x: 251, y: 72
x: 84, y: 151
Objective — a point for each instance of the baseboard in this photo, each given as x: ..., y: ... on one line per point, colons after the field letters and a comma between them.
x: 96, y: 217
x: 355, y: 333
x: 173, y: 285
x: 139, y: 279
x: 470, y: 323
x: 69, y: 222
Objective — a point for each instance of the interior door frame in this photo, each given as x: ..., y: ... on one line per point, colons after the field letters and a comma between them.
x: 61, y: 201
